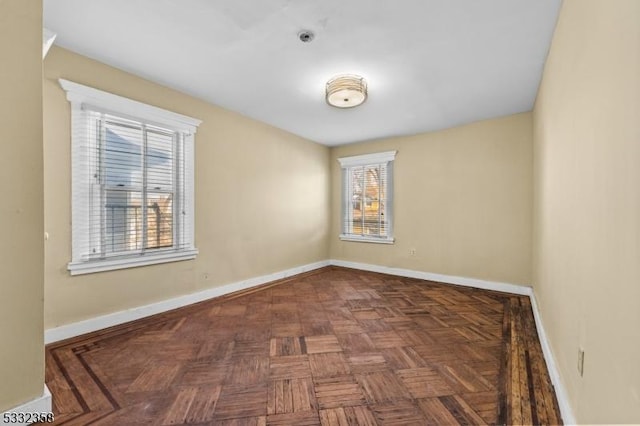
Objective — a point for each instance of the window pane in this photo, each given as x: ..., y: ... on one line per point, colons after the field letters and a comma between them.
x: 123, y: 225
x: 122, y: 161
x: 383, y: 200
x: 357, y: 186
x: 367, y: 189
x: 160, y: 160
x: 372, y: 201
x: 159, y: 220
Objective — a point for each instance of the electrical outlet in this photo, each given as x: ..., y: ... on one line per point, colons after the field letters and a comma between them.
x: 412, y: 252
x: 581, y: 361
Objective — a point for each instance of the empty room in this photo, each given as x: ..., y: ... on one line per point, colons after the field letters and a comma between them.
x: 276, y: 212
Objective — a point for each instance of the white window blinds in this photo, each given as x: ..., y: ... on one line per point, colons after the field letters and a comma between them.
x: 137, y: 187
x: 132, y: 182
x: 367, y: 197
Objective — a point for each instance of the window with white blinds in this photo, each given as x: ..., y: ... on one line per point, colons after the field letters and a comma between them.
x: 132, y: 182
x: 367, y: 197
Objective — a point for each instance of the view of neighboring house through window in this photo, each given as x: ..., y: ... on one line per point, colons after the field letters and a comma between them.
x: 368, y: 200
x: 136, y: 177
x: 132, y: 182
x: 366, y: 205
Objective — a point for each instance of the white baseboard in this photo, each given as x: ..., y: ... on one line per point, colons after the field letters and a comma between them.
x: 561, y: 392
x: 41, y: 404
x: 104, y: 321
x: 448, y: 279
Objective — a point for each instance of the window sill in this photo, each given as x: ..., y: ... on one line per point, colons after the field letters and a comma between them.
x: 364, y: 239
x: 90, y: 267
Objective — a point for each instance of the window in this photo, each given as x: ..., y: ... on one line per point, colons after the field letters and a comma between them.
x: 132, y: 182
x: 367, y: 197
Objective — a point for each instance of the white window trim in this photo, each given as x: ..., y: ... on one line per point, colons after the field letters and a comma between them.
x: 365, y: 239
x: 364, y: 160
x: 79, y: 268
x: 80, y: 97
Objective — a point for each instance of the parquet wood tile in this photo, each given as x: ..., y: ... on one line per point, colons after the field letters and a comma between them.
x: 218, y: 351
x: 289, y: 367
x: 245, y: 421
x: 386, y: 339
x: 202, y: 373
x: 347, y: 327
x: 361, y: 302
x: 238, y: 401
x: 347, y: 416
x: 463, y: 378
x: 382, y: 386
x: 375, y: 326
x: 424, y: 382
x: 400, y: 322
x: 334, y: 346
x: 248, y: 370
x: 328, y: 364
x: 193, y: 405
x: 398, y: 413
x: 285, y: 329
x: 436, y: 353
x: 436, y: 413
x: 366, y: 314
x: 339, y: 391
x: 322, y: 344
x: 291, y: 396
x: 317, y: 328
x: 154, y: 376
x: 428, y: 322
x: 305, y: 418
x: 282, y: 346
x: 401, y: 357
x: 203, y: 405
x: 461, y: 410
x: 367, y: 362
x: 259, y: 334
x: 337, y: 313
x: 389, y: 312
x: 250, y: 348
x: 477, y: 353
x: 414, y: 337
x: 485, y: 404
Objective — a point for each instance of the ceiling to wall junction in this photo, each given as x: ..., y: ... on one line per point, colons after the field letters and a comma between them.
x: 429, y: 64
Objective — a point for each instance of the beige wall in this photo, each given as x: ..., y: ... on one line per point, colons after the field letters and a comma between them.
x: 261, y: 200
x: 462, y: 200
x: 587, y: 206
x: 21, y: 217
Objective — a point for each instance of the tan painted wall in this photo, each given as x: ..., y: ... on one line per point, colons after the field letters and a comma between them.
x: 21, y: 217
x: 462, y: 200
x: 587, y: 206
x: 261, y: 200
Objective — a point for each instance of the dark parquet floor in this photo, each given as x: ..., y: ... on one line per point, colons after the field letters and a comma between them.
x: 333, y: 347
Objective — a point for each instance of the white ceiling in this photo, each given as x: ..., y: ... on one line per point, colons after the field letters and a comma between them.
x: 429, y: 64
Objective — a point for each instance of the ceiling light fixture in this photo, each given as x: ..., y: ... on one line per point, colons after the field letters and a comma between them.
x: 346, y: 91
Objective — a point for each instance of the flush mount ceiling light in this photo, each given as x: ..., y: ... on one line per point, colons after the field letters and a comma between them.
x: 346, y: 91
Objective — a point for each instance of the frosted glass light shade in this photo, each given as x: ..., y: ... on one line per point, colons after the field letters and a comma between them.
x: 346, y: 91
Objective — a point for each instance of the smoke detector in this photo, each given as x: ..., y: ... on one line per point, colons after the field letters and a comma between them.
x: 306, y: 36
